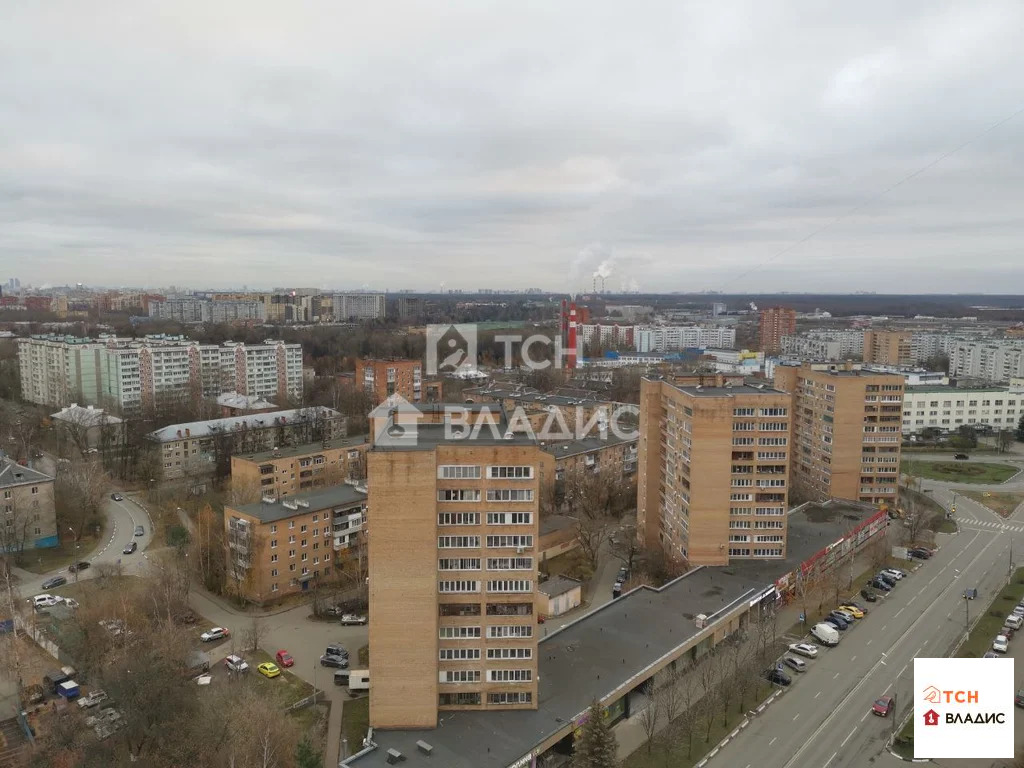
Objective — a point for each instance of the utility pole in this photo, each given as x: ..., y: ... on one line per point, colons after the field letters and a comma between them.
x: 967, y: 617
x: 895, y: 713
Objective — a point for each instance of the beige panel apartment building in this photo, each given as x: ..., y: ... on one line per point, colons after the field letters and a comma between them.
x: 846, y: 431
x: 453, y: 537
x: 714, y: 465
x: 889, y: 347
x: 288, y: 470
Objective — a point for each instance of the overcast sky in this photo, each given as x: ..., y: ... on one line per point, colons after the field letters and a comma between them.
x: 405, y: 144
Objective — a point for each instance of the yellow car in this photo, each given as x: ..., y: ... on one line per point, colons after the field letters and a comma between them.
x: 268, y: 669
x: 857, y: 612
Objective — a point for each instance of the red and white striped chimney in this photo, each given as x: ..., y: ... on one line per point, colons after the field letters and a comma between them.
x: 571, y: 346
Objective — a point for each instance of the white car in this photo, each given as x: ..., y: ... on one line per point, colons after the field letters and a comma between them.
x: 351, y: 619
x: 91, y: 699
x: 46, y: 601
x: 805, y: 649
x: 1018, y: 611
x: 217, y: 633
x: 1000, y: 644
x: 894, y: 573
x: 235, y: 663
x: 70, y: 602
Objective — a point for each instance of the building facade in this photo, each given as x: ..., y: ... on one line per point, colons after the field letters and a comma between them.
x: 278, y: 548
x: 452, y: 552
x: 995, y: 361
x: 714, y: 465
x: 824, y: 345
x: 846, y: 431
x: 667, y: 338
x: 359, y: 306
x: 383, y: 378
x: 26, y: 502
x: 889, y: 347
x: 144, y: 376
x: 949, y: 408
x: 773, y: 324
x: 288, y: 470
x: 202, y: 448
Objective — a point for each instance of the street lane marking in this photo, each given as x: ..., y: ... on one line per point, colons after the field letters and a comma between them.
x: 817, y: 694
x: 922, y: 588
x: 796, y: 716
x: 830, y: 760
x: 911, y: 600
x: 897, y: 614
x: 865, y: 678
x: 843, y: 744
x: 853, y: 658
x: 884, y: 626
x: 772, y: 741
x: 835, y: 676
x: 903, y: 670
x: 866, y: 714
x: 869, y: 642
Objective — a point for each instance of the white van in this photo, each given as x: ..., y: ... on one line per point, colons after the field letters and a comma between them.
x: 358, y: 681
x: 825, y: 634
x: 1013, y: 622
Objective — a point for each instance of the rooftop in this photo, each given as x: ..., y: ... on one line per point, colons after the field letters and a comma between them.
x: 196, y: 429
x: 426, y: 437
x: 557, y: 585
x: 949, y: 389
x: 288, y: 452
x: 85, y: 417
x: 729, y: 391
x: 12, y: 473
x: 243, y: 402
x: 588, y: 444
x: 581, y: 661
x: 335, y: 496
x: 530, y: 395
x: 552, y: 523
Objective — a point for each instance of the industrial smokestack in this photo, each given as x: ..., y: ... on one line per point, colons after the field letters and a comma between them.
x: 563, y: 325
x: 571, y: 346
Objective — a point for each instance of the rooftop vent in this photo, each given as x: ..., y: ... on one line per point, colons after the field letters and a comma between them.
x: 394, y: 756
x: 423, y: 747
x: 302, y: 503
x: 269, y: 499
x: 701, y: 621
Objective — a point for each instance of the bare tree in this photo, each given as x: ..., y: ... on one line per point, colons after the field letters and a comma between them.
x: 626, y: 547
x: 725, y: 679
x: 878, y: 551
x: 808, y: 588
x: 708, y: 671
x: 650, y: 716
x: 79, y: 490
x: 254, y: 633
x: 1004, y: 440
x: 587, y: 497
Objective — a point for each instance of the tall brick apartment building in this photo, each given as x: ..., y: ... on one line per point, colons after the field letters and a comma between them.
x: 775, y: 322
x: 383, y: 378
x: 453, y: 538
x: 714, y: 465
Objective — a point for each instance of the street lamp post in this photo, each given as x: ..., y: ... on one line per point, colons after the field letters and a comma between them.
x: 895, y: 714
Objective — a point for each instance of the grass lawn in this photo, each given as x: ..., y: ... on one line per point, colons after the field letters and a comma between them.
x: 60, y: 557
x: 287, y: 688
x: 1003, y: 504
x: 355, y: 719
x: 943, y: 449
x: 364, y: 657
x: 903, y: 744
x: 676, y: 757
x: 959, y: 471
x: 99, y: 588
x: 988, y: 627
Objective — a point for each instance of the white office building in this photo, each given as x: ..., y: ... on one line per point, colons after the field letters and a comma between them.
x: 670, y: 338
x: 949, y: 408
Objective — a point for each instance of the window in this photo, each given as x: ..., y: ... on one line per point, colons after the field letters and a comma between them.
x: 302, y: 529
x: 273, y: 529
x: 459, y: 494
x: 458, y: 542
x: 458, y: 699
x: 458, y: 472
x: 510, y: 585
x: 743, y: 441
x: 772, y: 441
x: 459, y: 564
x: 509, y: 563
x: 273, y: 587
x: 458, y: 654
x: 509, y: 630
x: 508, y: 541
x: 509, y: 518
x: 742, y: 411
x: 273, y: 572
x: 775, y: 426
x: 513, y: 697
x: 774, y: 411
x: 458, y: 609
x: 458, y: 518
x: 304, y: 542
x: 35, y: 489
x: 739, y: 523
x: 305, y: 556
x: 508, y: 494
x: 509, y: 653
x: 510, y: 473
x: 458, y: 586
x: 291, y: 539
x: 273, y: 543
x: 743, y: 426
x: 458, y: 633
x: 741, y: 497
x: 739, y: 552
x: 291, y: 524
x: 510, y: 609
x: 509, y: 675
x: 273, y: 558
x: 459, y: 676
x: 291, y: 553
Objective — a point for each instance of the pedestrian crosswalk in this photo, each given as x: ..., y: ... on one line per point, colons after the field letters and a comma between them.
x: 992, y: 525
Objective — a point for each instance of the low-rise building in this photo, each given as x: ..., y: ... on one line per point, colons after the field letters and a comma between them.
x: 557, y: 536
x: 88, y: 427
x: 202, y: 448
x: 601, y: 452
x: 234, y: 404
x: 948, y: 408
x: 559, y: 595
x: 288, y: 470
x: 28, y: 513
x: 278, y: 548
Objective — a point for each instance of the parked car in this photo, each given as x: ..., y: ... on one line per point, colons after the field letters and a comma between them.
x: 893, y: 573
x: 844, y: 621
x: 54, y: 581
x: 1013, y: 622
x: 961, y: 456
x: 352, y: 619
x: 805, y: 649
x: 117, y: 497
x: 235, y: 663
x: 623, y: 575
x: 882, y: 584
x: 91, y: 699
x: 850, y: 618
x: 825, y: 634
x: 882, y: 706
x: 794, y: 663
x: 920, y: 553
x: 130, y: 547
x: 140, y: 531
x: 338, y: 662
x: 215, y: 633
x: 858, y: 606
x: 336, y: 650
x: 990, y: 655
x: 284, y: 659
x: 268, y: 669
x: 46, y: 601
x: 972, y: 594
x: 78, y: 567
x: 868, y: 595
x: 883, y: 577
x: 1001, y: 644
x: 777, y: 676
x: 837, y: 624
x: 70, y: 602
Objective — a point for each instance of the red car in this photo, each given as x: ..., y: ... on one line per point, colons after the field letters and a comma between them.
x: 285, y: 659
x: 882, y: 706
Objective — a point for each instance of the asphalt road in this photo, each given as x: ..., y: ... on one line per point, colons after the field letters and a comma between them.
x: 824, y: 719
